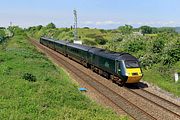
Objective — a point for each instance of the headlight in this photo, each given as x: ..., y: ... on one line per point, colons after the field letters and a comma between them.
x: 127, y: 74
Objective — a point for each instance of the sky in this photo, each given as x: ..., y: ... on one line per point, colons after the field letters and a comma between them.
x: 107, y: 14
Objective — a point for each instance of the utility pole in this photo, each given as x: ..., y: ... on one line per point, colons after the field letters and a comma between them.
x: 75, y: 26
x: 10, y: 24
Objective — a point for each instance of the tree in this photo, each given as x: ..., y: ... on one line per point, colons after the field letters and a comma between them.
x: 146, y: 30
x: 158, y: 45
x: 166, y: 30
x: 127, y: 29
x: 39, y: 27
x: 2, y: 33
x: 86, y: 27
x: 51, y: 26
x: 100, y: 40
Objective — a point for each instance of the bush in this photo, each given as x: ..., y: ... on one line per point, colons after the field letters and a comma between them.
x: 2, y: 33
x: 50, y: 26
x: 158, y: 45
x: 86, y: 27
x: 171, y: 54
x: 135, y: 46
x: 100, y: 40
x: 29, y: 77
x: 87, y: 41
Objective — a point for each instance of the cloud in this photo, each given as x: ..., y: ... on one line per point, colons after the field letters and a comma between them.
x: 134, y: 23
x: 107, y: 22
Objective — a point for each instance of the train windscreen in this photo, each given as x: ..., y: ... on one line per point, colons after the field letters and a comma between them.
x: 131, y: 64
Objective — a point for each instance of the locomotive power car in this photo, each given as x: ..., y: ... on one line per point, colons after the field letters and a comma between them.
x: 120, y: 67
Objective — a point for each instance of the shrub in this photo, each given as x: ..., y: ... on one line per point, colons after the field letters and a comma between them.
x: 135, y: 46
x: 158, y: 45
x: 51, y: 26
x: 171, y: 54
x: 89, y: 41
x: 100, y: 40
x: 29, y: 77
x: 2, y: 33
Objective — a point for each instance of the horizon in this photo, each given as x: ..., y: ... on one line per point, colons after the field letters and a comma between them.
x: 102, y: 14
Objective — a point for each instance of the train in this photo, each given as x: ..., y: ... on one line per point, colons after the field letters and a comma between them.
x: 120, y: 67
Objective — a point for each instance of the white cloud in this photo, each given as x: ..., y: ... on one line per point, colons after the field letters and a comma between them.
x: 107, y: 22
x: 134, y: 23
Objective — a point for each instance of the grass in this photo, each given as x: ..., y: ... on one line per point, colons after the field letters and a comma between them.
x: 165, y: 82
x: 32, y: 88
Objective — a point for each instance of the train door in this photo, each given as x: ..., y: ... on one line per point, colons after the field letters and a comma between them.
x: 116, y: 66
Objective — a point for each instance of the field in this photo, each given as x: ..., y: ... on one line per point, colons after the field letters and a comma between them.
x: 33, y: 88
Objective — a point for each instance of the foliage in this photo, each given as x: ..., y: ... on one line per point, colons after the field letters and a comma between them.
x: 17, y: 30
x: 158, y: 45
x: 166, y: 30
x: 29, y: 77
x: 51, y: 26
x: 171, y: 53
x: 135, y: 46
x: 86, y: 27
x: 89, y: 41
x: 39, y: 27
x: 127, y: 29
x: 2, y: 33
x: 100, y: 40
x: 146, y: 30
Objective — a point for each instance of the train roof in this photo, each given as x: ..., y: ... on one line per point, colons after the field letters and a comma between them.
x: 48, y: 39
x: 55, y: 40
x: 97, y: 51
x: 112, y: 55
x: 79, y: 46
x: 61, y: 42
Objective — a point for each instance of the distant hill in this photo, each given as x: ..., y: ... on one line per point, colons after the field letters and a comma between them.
x: 177, y: 29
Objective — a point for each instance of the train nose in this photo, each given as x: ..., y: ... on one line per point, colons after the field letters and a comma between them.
x: 134, y: 75
x: 135, y: 79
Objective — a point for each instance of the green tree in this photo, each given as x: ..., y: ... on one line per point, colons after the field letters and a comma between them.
x: 39, y: 27
x: 100, y: 40
x: 146, y: 30
x: 127, y: 29
x: 51, y: 26
x: 172, y: 53
x: 2, y: 33
x: 17, y: 30
x: 158, y: 45
x: 86, y: 27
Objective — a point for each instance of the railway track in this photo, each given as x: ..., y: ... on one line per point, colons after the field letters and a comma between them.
x: 157, y: 100
x: 130, y: 108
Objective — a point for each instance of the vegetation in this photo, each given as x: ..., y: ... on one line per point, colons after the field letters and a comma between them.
x: 157, y: 48
x: 2, y: 33
x: 33, y: 88
x: 146, y: 30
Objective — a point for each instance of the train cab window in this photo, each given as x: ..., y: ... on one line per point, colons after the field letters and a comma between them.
x: 131, y: 64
